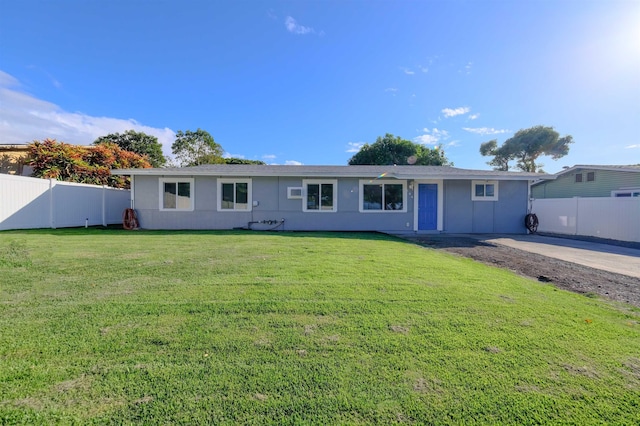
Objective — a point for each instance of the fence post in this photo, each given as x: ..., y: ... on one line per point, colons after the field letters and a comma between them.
x: 575, y: 210
x: 104, y: 205
x: 52, y: 224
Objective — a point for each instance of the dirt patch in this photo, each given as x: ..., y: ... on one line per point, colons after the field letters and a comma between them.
x: 143, y: 400
x: 80, y: 383
x: 399, y: 329
x: 565, y: 275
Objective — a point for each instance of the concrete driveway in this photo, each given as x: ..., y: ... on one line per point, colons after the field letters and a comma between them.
x: 612, y: 258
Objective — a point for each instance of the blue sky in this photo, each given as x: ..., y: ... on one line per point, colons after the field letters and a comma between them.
x: 308, y: 82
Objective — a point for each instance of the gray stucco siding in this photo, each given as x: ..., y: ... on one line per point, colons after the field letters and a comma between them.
x: 271, y: 203
x: 506, y: 215
x: 511, y: 208
x: 483, y: 217
x: 346, y: 218
x: 458, y: 207
x: 270, y: 193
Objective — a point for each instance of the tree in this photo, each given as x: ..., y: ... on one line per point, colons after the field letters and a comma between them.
x: 72, y: 163
x: 137, y: 142
x: 501, y: 155
x: 233, y: 160
x: 196, y: 148
x: 525, y: 147
x: 389, y: 150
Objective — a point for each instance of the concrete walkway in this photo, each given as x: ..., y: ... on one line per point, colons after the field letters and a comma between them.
x: 621, y: 260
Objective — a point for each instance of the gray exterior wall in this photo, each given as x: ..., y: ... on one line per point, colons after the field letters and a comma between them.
x: 461, y: 215
x: 565, y: 186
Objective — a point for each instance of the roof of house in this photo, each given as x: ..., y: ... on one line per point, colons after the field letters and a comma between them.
x: 14, y: 147
x: 633, y: 168
x: 397, y: 172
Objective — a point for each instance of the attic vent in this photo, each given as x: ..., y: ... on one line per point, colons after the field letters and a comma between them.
x: 294, y: 192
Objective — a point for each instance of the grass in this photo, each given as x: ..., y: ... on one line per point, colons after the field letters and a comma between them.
x: 105, y: 326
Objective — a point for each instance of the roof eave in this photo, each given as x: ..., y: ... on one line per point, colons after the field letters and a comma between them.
x: 332, y: 174
x: 606, y: 168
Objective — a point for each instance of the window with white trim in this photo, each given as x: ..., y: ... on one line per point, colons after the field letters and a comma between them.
x: 176, y: 194
x: 383, y: 196
x: 631, y: 192
x: 294, y: 192
x: 319, y: 195
x: 234, y: 194
x: 484, y: 190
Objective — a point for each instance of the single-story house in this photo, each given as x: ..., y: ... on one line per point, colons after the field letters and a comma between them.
x: 397, y: 199
x: 590, y: 181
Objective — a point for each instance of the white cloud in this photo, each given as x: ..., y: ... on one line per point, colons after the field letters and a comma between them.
x: 633, y: 146
x: 292, y: 163
x: 269, y: 157
x: 485, y: 130
x: 391, y: 90
x: 26, y: 118
x: 432, y: 137
x: 7, y: 80
x: 473, y: 116
x: 426, y: 139
x: 452, y: 112
x: 295, y: 28
x: 230, y: 155
x: 408, y: 71
x: 354, y: 146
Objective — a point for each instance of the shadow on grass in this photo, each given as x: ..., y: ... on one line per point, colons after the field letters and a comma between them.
x: 446, y: 241
x: 119, y: 230
x: 429, y: 241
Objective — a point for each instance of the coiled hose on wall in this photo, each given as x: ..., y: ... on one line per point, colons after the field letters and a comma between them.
x: 531, y: 222
x: 129, y: 219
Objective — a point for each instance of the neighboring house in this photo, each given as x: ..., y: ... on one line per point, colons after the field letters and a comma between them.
x: 13, y: 159
x: 591, y: 181
x: 333, y: 198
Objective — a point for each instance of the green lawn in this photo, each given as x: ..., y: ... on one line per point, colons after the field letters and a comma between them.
x: 111, y: 326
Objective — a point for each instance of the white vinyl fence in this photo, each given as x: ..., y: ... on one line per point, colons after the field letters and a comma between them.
x: 47, y: 203
x: 616, y: 218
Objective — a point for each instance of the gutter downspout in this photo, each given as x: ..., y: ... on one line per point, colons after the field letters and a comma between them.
x: 132, y: 202
x: 529, y: 200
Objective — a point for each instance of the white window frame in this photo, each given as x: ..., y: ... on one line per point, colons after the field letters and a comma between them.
x: 177, y: 181
x: 382, y: 182
x: 305, y: 185
x: 475, y: 197
x: 293, y: 196
x: 234, y: 182
x: 619, y: 193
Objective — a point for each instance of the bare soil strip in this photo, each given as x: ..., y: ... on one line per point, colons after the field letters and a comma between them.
x: 565, y: 275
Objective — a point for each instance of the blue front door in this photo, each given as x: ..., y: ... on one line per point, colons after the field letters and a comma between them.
x: 427, y: 207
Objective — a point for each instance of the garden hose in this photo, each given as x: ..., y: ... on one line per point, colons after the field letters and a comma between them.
x: 531, y: 222
x: 129, y: 219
